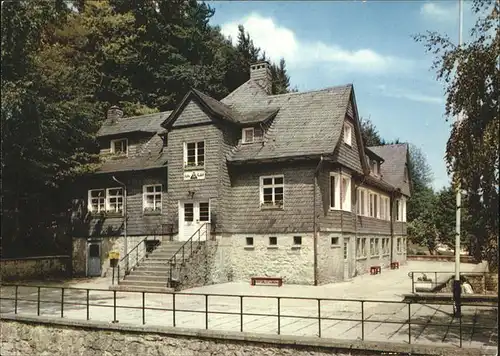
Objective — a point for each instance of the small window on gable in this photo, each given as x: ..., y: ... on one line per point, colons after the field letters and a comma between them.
x: 119, y: 147
x: 375, y: 167
x: 406, y: 174
x: 347, y: 134
x: 248, y: 135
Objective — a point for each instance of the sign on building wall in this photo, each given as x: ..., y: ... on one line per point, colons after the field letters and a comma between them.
x: 194, y: 175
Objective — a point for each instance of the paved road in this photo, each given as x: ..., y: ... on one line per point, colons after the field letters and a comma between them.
x: 382, y: 320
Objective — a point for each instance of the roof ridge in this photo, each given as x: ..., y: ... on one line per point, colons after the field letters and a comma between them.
x: 349, y: 85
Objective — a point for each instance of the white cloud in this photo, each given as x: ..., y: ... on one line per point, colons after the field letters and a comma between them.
x: 440, y: 13
x: 409, y: 95
x: 278, y: 41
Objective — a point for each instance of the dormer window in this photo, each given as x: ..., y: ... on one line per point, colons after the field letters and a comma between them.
x: 347, y: 134
x: 248, y: 135
x: 119, y: 147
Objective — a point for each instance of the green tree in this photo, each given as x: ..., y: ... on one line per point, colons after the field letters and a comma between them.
x: 369, y: 133
x: 470, y: 73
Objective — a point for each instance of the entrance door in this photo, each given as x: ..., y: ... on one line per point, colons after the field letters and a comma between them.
x: 347, y: 273
x: 192, y: 215
x: 94, y: 260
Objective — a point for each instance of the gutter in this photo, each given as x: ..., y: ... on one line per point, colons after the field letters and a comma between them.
x: 315, y: 224
x: 125, y: 217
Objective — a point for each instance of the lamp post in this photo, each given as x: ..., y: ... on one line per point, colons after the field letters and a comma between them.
x: 457, y: 289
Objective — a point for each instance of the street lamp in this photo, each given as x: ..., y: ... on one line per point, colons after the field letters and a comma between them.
x: 457, y: 289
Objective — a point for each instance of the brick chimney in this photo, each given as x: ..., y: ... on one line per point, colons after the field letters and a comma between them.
x: 114, y: 113
x: 260, y: 73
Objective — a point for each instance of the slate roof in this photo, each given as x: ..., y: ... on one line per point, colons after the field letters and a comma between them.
x: 395, y: 158
x: 151, y: 154
x: 144, y: 123
x: 307, y: 123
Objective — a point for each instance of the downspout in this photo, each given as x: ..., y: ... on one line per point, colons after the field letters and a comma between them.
x: 125, y: 219
x: 315, y: 225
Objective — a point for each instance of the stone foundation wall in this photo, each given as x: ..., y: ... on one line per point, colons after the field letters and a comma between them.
x: 108, y: 244
x: 44, y: 336
x: 16, y: 269
x: 293, y: 263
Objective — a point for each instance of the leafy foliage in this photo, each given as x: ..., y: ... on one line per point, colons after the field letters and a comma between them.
x: 470, y: 73
x: 63, y: 64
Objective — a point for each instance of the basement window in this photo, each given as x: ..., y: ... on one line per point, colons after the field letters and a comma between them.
x: 334, y: 241
x: 273, y: 241
x: 249, y: 241
x: 297, y: 240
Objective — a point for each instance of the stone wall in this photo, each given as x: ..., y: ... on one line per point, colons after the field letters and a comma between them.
x: 15, y: 269
x: 108, y: 244
x: 46, y: 336
x: 293, y: 263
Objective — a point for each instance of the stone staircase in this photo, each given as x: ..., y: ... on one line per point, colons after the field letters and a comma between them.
x: 152, y: 274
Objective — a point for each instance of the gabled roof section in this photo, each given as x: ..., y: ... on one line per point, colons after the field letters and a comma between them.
x: 395, y: 160
x: 213, y: 106
x: 307, y: 123
x: 150, y: 123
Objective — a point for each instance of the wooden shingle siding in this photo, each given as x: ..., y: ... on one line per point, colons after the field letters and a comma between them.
x: 349, y: 155
x: 205, y: 189
x: 192, y: 114
x: 350, y: 110
x: 138, y: 222
x: 297, y: 215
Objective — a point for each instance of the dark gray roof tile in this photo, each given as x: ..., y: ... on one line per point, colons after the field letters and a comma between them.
x: 145, y: 123
x: 307, y: 123
x: 393, y: 168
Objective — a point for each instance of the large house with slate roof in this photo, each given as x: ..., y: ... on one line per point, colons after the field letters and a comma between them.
x: 284, y: 182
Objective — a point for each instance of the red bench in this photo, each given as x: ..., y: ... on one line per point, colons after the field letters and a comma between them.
x: 395, y: 265
x: 267, y: 280
x: 375, y: 269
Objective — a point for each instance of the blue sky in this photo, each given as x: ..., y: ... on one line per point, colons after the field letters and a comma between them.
x: 369, y: 44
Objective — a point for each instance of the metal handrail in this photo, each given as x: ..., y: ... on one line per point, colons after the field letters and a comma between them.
x: 127, y: 269
x: 414, y: 276
x: 173, y: 260
x: 317, y: 314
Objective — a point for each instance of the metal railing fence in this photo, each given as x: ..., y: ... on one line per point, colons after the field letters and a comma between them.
x: 319, y: 313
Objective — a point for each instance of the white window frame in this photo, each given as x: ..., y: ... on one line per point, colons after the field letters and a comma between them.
x: 342, y: 201
x: 273, y: 185
x: 156, y: 207
x: 401, y: 209
x: 109, y: 197
x: 362, y: 202
x: 384, y: 208
x: 115, y: 141
x: 243, y: 135
x: 89, y: 201
x: 399, y: 245
x: 388, y: 208
x: 361, y: 247
x: 375, y: 199
x: 374, y: 167
x: 334, y: 205
x: 196, y: 163
x: 348, y: 128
